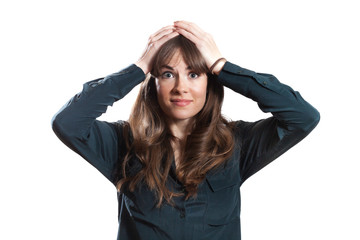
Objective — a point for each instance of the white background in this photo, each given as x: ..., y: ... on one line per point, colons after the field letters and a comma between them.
x: 50, y: 48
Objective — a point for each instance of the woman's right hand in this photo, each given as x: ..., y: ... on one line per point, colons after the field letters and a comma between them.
x: 156, y: 40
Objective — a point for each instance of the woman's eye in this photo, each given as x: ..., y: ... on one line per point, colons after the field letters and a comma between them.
x: 167, y: 75
x: 194, y: 75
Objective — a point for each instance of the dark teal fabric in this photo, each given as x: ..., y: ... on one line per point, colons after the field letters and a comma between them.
x: 215, y: 212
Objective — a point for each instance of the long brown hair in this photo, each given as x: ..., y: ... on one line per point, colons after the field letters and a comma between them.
x: 148, y: 137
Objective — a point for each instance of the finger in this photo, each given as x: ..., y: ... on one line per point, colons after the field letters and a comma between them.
x: 190, y: 27
x: 188, y: 35
x: 160, y: 33
x: 165, y: 38
x: 162, y: 29
x: 191, y: 31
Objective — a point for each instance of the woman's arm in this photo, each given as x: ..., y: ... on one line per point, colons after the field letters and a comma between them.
x: 264, y: 140
x: 76, y: 125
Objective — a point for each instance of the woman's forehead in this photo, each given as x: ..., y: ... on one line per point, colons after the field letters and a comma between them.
x: 176, y: 60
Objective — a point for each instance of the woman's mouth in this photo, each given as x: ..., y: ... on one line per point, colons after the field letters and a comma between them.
x: 181, y: 102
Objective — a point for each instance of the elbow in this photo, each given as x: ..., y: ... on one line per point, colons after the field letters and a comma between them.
x: 316, y: 117
x: 311, y: 119
x: 56, y: 125
x: 66, y: 126
x: 61, y: 124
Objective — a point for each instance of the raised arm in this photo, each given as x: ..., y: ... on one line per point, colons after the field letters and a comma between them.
x: 76, y: 125
x: 262, y: 141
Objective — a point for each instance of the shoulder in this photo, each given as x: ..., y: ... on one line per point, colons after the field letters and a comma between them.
x: 240, y: 127
x: 119, y: 124
x: 245, y: 130
x: 243, y: 127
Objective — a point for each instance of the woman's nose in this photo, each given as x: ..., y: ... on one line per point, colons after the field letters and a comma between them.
x: 181, y: 85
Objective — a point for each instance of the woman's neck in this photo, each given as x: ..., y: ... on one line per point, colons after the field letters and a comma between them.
x: 180, y: 128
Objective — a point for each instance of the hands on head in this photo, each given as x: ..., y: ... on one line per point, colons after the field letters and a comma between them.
x: 204, y: 42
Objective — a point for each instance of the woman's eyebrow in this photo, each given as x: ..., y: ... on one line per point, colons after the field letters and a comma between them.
x: 171, y: 68
x: 168, y: 67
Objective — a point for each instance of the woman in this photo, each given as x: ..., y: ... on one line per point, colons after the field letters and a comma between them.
x: 177, y: 163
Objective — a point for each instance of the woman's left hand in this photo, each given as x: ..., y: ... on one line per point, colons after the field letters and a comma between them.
x: 204, y: 42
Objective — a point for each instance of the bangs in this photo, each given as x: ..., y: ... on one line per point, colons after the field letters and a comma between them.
x: 188, y: 51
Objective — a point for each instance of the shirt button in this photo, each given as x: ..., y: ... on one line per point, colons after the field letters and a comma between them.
x: 182, y: 214
x: 94, y: 84
x: 264, y: 82
x: 97, y: 82
x: 77, y: 96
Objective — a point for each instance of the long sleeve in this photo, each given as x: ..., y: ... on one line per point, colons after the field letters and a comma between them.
x: 76, y: 125
x: 263, y: 141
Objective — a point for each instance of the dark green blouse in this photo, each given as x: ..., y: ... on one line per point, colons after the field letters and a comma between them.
x: 215, y: 213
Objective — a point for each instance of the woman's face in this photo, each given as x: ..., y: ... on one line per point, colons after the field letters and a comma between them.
x: 181, y: 92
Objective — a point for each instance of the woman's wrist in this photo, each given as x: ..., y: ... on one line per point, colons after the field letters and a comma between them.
x: 218, y: 66
x: 143, y: 67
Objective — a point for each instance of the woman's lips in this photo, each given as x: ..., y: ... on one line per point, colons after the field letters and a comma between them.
x: 181, y: 102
